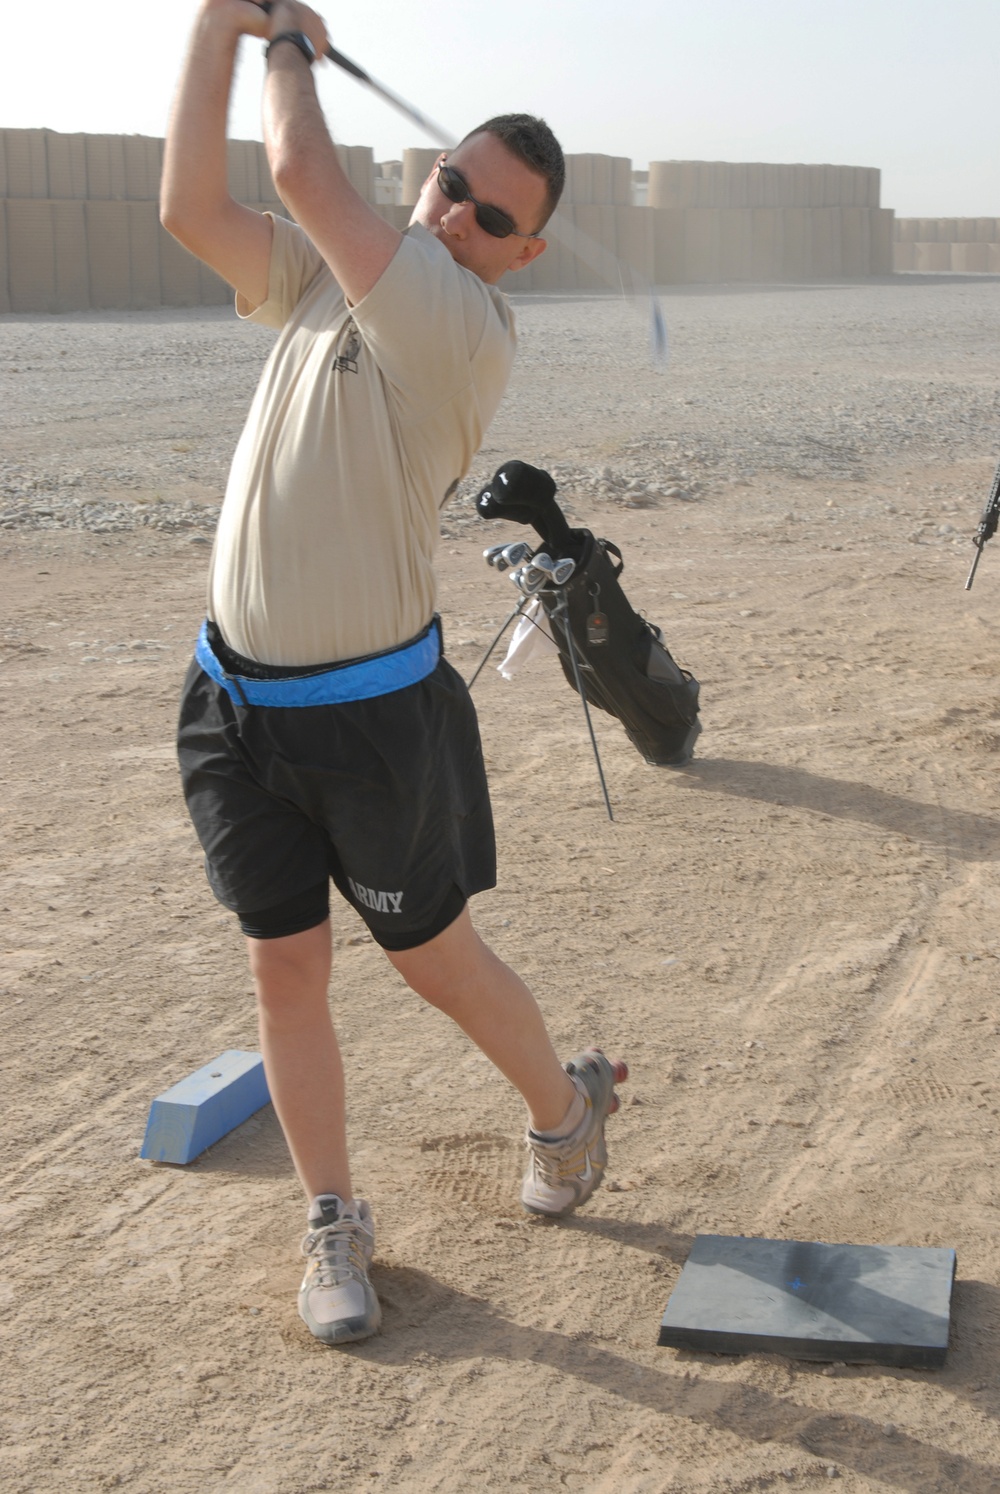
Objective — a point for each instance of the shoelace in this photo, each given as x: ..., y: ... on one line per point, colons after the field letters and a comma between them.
x: 338, y: 1251
x: 560, y: 1159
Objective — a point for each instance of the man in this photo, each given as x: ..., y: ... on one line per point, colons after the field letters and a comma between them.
x: 321, y: 733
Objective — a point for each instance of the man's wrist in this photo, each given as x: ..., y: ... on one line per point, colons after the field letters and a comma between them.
x: 296, y: 39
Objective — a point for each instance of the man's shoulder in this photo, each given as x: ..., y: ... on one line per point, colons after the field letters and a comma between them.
x: 487, y: 311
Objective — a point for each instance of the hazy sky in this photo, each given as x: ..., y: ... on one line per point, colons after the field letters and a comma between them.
x: 910, y: 86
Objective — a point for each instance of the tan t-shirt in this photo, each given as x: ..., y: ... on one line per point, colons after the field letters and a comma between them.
x: 364, y: 419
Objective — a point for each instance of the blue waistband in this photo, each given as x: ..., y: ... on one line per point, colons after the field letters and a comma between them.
x: 360, y: 680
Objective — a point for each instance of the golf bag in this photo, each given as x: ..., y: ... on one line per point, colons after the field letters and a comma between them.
x: 607, y: 651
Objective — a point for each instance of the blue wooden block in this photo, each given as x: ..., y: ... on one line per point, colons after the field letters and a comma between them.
x: 205, y: 1106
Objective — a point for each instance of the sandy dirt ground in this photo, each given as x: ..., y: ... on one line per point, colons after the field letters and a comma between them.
x: 794, y: 943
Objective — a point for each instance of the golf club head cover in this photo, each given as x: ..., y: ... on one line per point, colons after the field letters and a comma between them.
x: 527, y: 495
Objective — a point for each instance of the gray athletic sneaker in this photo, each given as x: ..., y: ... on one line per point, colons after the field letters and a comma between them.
x: 337, y: 1302
x: 563, y: 1174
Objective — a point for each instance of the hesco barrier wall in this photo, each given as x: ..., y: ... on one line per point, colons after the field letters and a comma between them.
x: 964, y: 246
x: 79, y: 221
x: 671, y: 246
x: 79, y: 224
x: 748, y: 184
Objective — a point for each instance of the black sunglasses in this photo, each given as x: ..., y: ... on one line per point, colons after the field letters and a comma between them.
x: 490, y: 219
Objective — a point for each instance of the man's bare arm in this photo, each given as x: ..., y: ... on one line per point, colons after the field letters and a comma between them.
x: 355, y: 242
x: 195, y: 203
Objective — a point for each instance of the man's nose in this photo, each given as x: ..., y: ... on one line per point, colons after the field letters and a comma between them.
x: 459, y: 218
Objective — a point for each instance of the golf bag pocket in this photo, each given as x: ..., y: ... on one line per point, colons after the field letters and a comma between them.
x: 624, y: 667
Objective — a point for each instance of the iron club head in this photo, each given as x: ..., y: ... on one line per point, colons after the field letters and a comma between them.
x: 528, y: 579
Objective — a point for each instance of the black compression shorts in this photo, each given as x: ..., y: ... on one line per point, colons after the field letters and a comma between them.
x: 387, y: 796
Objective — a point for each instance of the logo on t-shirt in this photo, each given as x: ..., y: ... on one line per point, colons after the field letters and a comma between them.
x: 347, y: 361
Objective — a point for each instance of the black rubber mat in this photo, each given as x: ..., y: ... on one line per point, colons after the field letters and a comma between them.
x: 872, y: 1304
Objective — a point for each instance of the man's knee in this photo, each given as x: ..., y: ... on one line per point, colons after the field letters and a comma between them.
x: 296, y: 966
x: 449, y: 967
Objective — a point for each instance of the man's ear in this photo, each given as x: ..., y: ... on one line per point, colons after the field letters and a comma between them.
x: 432, y: 173
x: 531, y: 250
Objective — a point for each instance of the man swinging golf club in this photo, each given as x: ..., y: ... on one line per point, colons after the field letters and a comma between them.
x: 322, y: 734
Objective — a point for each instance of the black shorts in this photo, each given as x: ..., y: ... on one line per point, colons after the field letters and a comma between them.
x: 387, y: 796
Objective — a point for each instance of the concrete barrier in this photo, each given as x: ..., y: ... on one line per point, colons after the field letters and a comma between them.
x: 358, y: 162
x: 666, y: 184
x: 417, y: 165
x: 597, y: 221
x: 579, y: 180
x: 795, y: 243
x: 26, y: 163
x: 970, y: 259
x: 904, y: 256
x: 602, y: 169
x: 703, y: 235
x: 635, y: 243
x: 108, y: 254
x: 772, y: 187
x: 768, y: 243
x: 736, y: 243
x: 68, y: 235
x: 180, y: 280
x: 242, y: 175
x: 932, y: 257
x: 144, y: 238
x: 143, y: 162
x: 4, y: 265
x: 855, y: 241
x: 801, y: 186
x: 66, y: 160
x: 105, y: 167
x: 881, y: 233
x: 701, y: 245
x: 31, y: 251
x: 739, y: 185
x: 668, y: 245
x: 621, y: 190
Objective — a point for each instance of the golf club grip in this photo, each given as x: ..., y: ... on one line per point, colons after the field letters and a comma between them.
x: 331, y: 52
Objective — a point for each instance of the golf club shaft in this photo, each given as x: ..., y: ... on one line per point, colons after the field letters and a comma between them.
x: 414, y: 115
x: 483, y: 661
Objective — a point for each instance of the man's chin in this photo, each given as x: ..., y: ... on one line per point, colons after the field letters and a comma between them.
x: 453, y: 247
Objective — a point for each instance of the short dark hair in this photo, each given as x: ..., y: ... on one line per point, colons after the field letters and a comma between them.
x: 531, y: 140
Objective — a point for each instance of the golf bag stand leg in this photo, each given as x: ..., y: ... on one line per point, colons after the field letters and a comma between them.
x: 563, y: 609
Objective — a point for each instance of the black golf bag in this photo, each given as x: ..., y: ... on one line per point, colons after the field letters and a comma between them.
x: 607, y: 651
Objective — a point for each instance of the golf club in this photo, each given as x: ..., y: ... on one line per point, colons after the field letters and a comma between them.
x: 558, y: 571
x: 612, y: 270
x: 528, y: 580
x: 507, y: 556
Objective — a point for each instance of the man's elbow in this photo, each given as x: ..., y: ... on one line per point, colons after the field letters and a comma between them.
x: 176, y: 214
x: 298, y: 180
x: 190, y: 223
